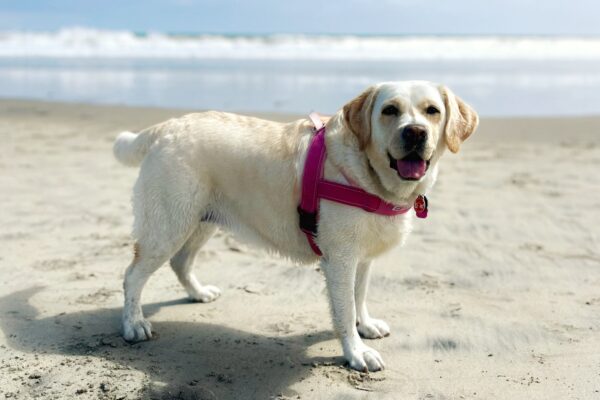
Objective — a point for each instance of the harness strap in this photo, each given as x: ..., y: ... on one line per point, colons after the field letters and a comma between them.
x: 313, y: 171
x: 314, y: 187
x: 316, y: 120
x: 357, y: 197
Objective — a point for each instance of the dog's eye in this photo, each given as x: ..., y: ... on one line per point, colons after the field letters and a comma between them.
x: 390, y: 110
x: 431, y: 110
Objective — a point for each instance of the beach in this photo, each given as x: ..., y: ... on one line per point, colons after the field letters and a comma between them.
x: 496, y: 295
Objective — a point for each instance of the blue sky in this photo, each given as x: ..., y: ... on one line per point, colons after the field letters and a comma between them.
x: 546, y: 17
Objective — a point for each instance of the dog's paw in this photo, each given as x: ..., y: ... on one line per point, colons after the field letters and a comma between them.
x: 365, y: 359
x: 205, y: 294
x: 373, y: 328
x: 137, y: 330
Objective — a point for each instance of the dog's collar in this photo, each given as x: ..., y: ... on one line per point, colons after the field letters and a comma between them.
x: 314, y: 188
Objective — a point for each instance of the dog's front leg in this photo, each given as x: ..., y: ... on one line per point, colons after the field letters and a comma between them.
x: 368, y: 327
x: 340, y: 275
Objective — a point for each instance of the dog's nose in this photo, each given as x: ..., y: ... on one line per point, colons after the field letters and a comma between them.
x: 413, y: 136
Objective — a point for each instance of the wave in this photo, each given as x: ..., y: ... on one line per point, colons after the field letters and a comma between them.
x: 93, y: 43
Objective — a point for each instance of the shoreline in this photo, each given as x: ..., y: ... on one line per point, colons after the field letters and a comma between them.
x: 489, y: 125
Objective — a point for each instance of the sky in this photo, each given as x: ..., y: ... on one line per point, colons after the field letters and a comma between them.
x: 458, y: 17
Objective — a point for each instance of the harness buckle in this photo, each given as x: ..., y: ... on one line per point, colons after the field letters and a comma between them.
x: 308, y: 221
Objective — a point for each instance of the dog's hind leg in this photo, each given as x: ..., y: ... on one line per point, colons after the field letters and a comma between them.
x: 166, y: 215
x: 182, y: 263
x: 145, y: 261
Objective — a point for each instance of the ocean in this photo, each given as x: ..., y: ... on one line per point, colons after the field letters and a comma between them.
x: 500, y: 76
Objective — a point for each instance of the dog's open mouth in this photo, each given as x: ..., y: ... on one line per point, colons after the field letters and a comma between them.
x: 411, y: 167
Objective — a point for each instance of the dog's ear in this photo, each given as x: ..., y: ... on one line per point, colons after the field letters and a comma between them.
x: 461, y: 119
x: 357, y: 116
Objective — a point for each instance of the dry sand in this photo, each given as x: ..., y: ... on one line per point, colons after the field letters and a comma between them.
x: 495, y: 296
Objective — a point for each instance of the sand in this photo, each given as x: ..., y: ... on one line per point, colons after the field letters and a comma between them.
x: 495, y: 296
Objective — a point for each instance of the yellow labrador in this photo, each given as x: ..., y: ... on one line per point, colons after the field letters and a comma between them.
x: 214, y: 169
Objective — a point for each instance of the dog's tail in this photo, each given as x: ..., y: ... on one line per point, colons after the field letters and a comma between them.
x: 131, y: 148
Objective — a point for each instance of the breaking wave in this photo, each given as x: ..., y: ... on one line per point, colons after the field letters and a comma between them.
x: 93, y: 43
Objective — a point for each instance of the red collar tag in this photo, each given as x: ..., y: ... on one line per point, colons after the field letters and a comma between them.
x: 421, y: 206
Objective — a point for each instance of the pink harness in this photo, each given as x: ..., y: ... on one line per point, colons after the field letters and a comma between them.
x: 314, y: 188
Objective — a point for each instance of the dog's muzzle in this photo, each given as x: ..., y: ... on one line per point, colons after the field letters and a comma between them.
x: 412, y: 166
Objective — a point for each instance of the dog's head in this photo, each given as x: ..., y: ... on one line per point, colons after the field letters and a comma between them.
x: 403, y: 127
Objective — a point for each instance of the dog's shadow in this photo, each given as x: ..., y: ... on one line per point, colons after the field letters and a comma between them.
x: 188, y: 360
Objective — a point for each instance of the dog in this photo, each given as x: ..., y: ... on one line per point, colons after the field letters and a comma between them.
x: 214, y: 169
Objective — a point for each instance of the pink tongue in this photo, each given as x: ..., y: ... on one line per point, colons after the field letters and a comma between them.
x: 411, y: 169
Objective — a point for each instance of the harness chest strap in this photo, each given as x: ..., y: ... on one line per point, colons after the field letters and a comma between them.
x: 314, y: 188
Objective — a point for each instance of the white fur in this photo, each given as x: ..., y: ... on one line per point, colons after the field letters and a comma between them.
x: 131, y: 148
x: 216, y: 169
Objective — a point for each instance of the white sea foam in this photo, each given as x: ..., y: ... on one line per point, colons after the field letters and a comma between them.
x: 84, y: 42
